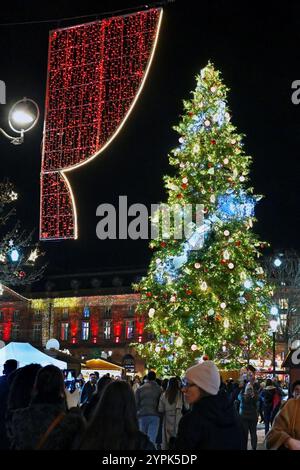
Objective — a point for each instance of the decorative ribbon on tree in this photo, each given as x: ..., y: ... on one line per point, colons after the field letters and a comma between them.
x: 96, y: 72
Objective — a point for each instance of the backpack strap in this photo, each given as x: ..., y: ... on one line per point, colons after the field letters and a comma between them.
x: 52, y: 426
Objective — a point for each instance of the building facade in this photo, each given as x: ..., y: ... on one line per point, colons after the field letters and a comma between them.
x: 93, y: 326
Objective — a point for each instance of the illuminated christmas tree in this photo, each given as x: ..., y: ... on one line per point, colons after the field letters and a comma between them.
x: 18, y: 253
x: 206, y: 294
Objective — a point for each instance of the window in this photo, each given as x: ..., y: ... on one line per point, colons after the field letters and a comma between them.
x: 131, y: 311
x: 85, y: 330
x: 107, y: 312
x: 86, y: 312
x: 65, y: 314
x: 64, y: 331
x: 15, y: 332
x: 107, y: 329
x: 37, y: 314
x: 283, y: 304
x: 283, y: 319
x: 129, y: 329
x: 16, y: 315
x: 37, y: 332
x: 1, y: 316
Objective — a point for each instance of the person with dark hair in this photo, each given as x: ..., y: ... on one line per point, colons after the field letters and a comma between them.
x: 268, y: 396
x: 89, y: 388
x: 147, y: 398
x: 295, y: 389
x: 114, y: 425
x: 212, y: 423
x: 170, y: 405
x: 46, y: 423
x: 164, y: 384
x: 249, y: 415
x: 21, y: 387
x: 89, y: 407
x: 8, y: 368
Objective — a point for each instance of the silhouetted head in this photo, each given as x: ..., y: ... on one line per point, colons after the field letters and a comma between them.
x: 114, y: 425
x: 9, y: 366
x: 151, y: 375
x: 49, y: 386
x: 22, y: 386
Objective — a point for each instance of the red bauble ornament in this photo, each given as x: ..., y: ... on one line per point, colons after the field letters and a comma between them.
x: 184, y: 185
x: 191, y: 114
x: 179, y: 196
x: 189, y: 292
x: 148, y: 294
x: 213, y: 141
x: 223, y: 261
x: 22, y: 274
x: 238, y: 243
x: 163, y: 244
x: 205, y: 358
x: 209, y: 165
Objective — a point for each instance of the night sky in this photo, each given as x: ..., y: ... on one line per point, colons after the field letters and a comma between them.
x: 257, y: 51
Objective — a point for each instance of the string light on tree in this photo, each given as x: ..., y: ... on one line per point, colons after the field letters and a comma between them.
x: 208, y: 271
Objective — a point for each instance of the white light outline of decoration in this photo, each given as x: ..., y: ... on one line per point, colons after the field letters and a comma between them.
x: 77, y: 165
x: 11, y: 291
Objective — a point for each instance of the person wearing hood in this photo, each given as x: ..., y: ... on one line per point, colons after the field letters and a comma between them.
x: 212, y: 422
x: 249, y: 415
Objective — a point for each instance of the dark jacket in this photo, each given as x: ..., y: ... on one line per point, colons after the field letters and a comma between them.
x: 213, y: 423
x: 267, y: 396
x: 249, y: 406
x: 87, y: 391
x: 4, y: 390
x: 147, y: 398
x: 28, y: 425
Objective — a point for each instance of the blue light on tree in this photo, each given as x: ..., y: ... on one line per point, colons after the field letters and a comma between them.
x: 168, y: 270
x: 235, y: 206
x: 219, y: 117
x: 14, y: 255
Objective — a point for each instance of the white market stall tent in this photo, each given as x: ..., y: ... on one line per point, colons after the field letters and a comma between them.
x: 26, y: 354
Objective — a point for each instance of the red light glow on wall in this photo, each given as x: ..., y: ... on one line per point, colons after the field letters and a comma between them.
x: 140, y: 324
x: 96, y: 72
x: 117, y: 328
x: 7, y: 324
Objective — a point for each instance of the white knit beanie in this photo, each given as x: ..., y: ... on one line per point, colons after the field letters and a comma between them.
x: 206, y: 376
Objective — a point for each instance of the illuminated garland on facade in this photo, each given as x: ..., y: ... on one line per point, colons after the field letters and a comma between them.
x: 96, y: 72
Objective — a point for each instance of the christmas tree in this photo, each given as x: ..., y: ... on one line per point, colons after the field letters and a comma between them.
x: 18, y: 253
x: 206, y: 294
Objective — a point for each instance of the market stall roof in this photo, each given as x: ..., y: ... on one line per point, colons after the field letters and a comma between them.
x: 101, y: 364
x: 26, y: 354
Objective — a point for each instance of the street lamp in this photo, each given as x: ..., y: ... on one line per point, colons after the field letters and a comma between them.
x: 22, y: 117
x: 273, y: 325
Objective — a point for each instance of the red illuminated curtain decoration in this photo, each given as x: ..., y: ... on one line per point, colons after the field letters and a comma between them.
x: 95, y: 74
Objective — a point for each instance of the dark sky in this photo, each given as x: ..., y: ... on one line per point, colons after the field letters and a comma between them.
x: 257, y: 51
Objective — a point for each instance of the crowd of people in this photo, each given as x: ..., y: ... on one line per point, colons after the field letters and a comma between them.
x: 198, y: 412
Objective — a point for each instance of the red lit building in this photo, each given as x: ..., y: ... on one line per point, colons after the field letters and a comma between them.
x: 90, y: 322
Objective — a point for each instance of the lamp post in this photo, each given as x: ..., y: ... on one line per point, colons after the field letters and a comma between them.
x: 273, y: 326
x: 22, y: 117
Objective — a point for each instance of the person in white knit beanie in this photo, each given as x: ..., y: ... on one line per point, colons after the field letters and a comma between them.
x: 212, y: 422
